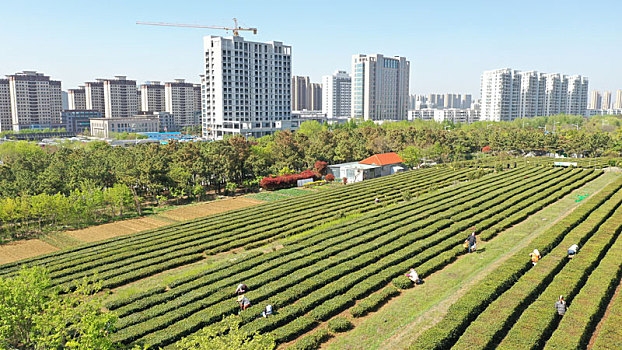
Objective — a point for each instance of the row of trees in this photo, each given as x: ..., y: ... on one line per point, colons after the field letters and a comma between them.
x: 153, y: 173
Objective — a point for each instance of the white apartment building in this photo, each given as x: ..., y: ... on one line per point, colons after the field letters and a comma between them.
x: 180, y: 101
x: 455, y: 115
x: 36, y: 101
x: 152, y: 97
x: 618, y: 102
x: 105, y: 127
x: 120, y: 97
x: 606, y: 100
x: 595, y: 100
x: 509, y: 94
x: 380, y: 87
x: 5, y: 106
x: 336, y: 95
x: 94, y: 91
x: 77, y: 98
x: 246, y: 86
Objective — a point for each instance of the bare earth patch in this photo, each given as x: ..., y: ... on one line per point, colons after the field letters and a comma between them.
x: 18, y: 250
x: 214, y: 207
x: 114, y: 229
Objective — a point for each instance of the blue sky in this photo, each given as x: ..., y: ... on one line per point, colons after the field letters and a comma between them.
x: 449, y: 43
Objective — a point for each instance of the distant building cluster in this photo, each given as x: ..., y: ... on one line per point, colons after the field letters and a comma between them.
x: 247, y: 88
x: 507, y: 94
x: 31, y: 100
x: 601, y: 103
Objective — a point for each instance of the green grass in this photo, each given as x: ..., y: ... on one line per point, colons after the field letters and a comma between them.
x: 293, y: 192
x: 60, y: 240
x: 267, y: 196
x: 397, y: 323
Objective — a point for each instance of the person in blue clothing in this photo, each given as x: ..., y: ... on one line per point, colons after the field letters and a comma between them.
x: 472, y: 242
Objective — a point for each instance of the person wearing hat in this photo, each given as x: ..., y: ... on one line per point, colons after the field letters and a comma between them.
x: 241, y: 289
x: 535, y: 256
x: 560, y: 306
x: 244, y: 302
x: 572, y: 250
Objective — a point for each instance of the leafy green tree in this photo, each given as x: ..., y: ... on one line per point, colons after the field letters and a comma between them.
x: 34, y: 316
x: 226, y: 335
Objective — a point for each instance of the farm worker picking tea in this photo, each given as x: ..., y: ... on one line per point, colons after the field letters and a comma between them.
x: 241, y: 289
x: 560, y: 306
x: 572, y: 250
x: 377, y: 200
x: 244, y: 302
x: 535, y: 256
x: 267, y: 312
x: 472, y: 242
x: 413, y: 276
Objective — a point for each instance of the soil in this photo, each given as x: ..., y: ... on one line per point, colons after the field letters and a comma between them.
x: 18, y: 250
x: 203, y: 209
x: 114, y: 229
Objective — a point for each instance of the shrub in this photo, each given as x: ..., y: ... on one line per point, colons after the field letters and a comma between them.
x: 286, y: 181
x: 320, y: 167
x: 402, y: 282
x: 339, y: 324
x: 330, y: 178
x: 312, y: 341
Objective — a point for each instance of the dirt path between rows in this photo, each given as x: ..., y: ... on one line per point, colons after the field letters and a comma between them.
x: 605, y: 315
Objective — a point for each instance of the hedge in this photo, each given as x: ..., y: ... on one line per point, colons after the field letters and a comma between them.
x: 468, y: 307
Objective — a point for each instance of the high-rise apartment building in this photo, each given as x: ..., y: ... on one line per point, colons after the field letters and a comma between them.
x: 181, y: 101
x: 94, y: 91
x: 152, y: 97
x: 618, y: 102
x: 606, y: 100
x: 77, y: 98
x: 509, y: 94
x: 5, y: 106
x: 380, y: 87
x: 36, y: 101
x: 120, y: 97
x: 595, y: 100
x: 301, y: 93
x: 246, y: 86
x: 315, y: 97
x: 336, y: 95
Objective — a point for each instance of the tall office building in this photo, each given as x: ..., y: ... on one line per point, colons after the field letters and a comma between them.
x: 120, y: 97
x: 94, y: 91
x: 380, y: 87
x: 618, y: 102
x: 606, y: 100
x: 315, y: 97
x: 180, y: 102
x: 5, y: 106
x: 246, y: 86
x: 152, y: 97
x: 595, y: 100
x: 301, y: 93
x: 77, y: 98
x: 509, y: 94
x: 336, y: 95
x: 36, y: 101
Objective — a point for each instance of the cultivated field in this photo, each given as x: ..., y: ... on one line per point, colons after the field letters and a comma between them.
x: 342, y: 254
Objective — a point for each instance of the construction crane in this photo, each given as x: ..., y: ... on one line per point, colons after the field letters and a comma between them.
x: 236, y: 28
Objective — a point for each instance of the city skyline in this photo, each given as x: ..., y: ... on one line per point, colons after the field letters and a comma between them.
x: 105, y: 41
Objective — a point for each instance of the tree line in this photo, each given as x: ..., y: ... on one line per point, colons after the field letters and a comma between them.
x: 81, y: 183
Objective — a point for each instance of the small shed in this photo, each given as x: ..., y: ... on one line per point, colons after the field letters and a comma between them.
x: 354, y: 171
